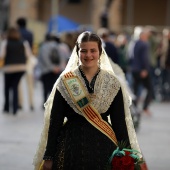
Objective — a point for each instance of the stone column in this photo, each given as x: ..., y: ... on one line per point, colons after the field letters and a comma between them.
x: 97, y: 9
x: 115, y: 16
x: 22, y: 8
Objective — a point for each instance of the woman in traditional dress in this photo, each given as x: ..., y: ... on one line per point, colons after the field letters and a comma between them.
x: 96, y: 106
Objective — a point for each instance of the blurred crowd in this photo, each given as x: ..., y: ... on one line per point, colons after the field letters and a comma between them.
x: 144, y: 57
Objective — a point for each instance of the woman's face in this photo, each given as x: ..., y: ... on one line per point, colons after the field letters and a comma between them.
x: 89, y: 54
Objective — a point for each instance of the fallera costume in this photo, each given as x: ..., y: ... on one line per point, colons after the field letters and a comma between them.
x: 95, y: 121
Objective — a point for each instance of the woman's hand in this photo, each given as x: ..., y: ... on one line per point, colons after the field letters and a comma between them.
x: 47, y: 165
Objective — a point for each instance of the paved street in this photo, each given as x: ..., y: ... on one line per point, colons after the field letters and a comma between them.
x: 19, y: 134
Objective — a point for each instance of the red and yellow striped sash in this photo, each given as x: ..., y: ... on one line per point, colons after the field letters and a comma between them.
x: 78, y: 95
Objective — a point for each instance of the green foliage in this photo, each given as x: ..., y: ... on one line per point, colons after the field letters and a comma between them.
x: 123, y: 144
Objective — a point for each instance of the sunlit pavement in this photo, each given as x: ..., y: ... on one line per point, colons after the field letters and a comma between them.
x: 19, y: 135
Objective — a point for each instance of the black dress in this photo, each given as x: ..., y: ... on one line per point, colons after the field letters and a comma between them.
x: 78, y: 145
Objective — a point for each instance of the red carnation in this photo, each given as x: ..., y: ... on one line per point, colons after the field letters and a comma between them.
x: 122, y: 163
x: 116, y: 163
x: 127, y: 163
x: 127, y: 152
x: 127, y: 160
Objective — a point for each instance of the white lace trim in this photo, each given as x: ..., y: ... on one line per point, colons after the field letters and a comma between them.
x: 127, y: 99
x: 129, y: 122
x: 105, y: 85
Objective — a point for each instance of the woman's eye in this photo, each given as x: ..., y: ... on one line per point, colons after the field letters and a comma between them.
x: 83, y: 51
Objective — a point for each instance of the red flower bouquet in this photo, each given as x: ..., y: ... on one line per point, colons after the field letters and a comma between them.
x: 125, y: 159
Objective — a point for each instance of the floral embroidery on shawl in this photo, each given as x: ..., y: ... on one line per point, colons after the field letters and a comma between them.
x: 105, y: 85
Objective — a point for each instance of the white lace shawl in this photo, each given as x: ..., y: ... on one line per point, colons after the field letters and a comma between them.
x: 105, y: 89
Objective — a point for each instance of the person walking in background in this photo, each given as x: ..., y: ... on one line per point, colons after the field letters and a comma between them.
x: 50, y: 63
x: 110, y: 48
x: 130, y: 52
x: 63, y: 47
x: 14, y: 51
x: 140, y: 65
x: 25, y: 33
x: 31, y: 62
x: 154, y: 45
x: 122, y: 51
x: 165, y: 64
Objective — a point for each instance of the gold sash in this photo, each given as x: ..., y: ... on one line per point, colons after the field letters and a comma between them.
x: 80, y: 98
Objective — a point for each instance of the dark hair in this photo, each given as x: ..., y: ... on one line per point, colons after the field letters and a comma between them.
x: 47, y: 37
x: 21, y: 22
x: 13, y: 34
x: 86, y: 37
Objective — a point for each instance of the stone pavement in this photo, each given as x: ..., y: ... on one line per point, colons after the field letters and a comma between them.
x: 154, y: 137
x: 19, y: 134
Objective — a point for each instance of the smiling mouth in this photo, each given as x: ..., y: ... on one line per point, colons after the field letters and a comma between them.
x: 88, y: 60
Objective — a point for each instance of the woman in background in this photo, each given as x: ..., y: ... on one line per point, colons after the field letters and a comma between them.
x: 14, y: 52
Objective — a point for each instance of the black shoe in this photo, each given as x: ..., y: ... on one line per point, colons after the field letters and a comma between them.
x: 19, y: 107
x: 6, y: 111
x: 14, y: 112
x: 31, y: 108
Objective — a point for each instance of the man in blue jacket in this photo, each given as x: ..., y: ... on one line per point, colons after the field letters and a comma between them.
x: 25, y: 33
x: 141, y: 69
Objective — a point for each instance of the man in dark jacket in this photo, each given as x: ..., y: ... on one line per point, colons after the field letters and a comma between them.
x: 25, y: 33
x: 140, y: 69
x: 110, y: 48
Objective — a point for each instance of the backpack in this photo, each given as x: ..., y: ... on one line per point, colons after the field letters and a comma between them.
x: 55, y: 56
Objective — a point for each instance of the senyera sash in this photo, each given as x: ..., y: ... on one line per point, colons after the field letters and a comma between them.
x: 80, y: 98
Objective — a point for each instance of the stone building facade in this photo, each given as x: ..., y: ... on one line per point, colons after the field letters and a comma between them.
x: 120, y: 13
